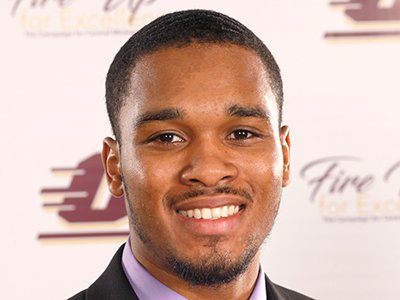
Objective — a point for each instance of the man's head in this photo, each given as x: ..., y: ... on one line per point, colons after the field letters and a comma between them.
x: 199, y: 155
x: 180, y: 29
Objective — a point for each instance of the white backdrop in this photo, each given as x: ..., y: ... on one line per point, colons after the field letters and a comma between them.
x: 337, y: 234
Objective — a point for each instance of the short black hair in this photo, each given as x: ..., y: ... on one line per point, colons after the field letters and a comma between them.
x: 179, y: 29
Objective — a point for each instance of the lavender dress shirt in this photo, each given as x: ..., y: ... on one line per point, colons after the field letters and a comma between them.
x: 147, y: 287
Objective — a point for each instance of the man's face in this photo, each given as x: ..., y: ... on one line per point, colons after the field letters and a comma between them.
x: 201, y: 157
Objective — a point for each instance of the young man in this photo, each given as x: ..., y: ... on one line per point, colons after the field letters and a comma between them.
x: 195, y: 103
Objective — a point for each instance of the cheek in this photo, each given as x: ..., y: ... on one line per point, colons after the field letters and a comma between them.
x: 264, y: 166
x: 147, y: 181
x: 264, y: 175
x: 158, y: 174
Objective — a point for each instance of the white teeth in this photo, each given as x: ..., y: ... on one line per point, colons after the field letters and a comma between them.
x: 197, y: 213
x: 210, y: 213
x: 216, y: 213
x: 206, y: 213
x: 224, y: 211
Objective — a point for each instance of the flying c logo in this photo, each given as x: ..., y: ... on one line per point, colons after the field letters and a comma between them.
x: 368, y: 18
x: 84, y: 202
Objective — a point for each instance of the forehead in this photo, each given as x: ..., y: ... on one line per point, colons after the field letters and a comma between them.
x: 205, y: 75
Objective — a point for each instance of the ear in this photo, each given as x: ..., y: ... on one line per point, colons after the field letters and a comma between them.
x: 285, y: 143
x: 111, y: 164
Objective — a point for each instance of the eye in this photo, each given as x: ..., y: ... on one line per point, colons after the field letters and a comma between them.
x: 241, y: 134
x: 167, y: 138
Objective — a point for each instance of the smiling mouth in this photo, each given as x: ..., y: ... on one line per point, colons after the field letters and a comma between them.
x: 214, y: 213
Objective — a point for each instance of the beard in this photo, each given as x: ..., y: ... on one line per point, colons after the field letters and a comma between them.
x: 216, y: 268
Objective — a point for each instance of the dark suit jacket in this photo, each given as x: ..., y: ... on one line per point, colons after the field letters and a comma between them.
x: 113, y: 285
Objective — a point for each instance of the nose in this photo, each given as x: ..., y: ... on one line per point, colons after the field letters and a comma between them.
x: 208, y: 165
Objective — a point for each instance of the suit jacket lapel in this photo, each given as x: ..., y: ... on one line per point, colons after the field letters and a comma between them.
x: 112, y: 284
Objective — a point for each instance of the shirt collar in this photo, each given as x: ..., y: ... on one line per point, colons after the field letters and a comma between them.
x: 147, y: 287
x: 260, y: 289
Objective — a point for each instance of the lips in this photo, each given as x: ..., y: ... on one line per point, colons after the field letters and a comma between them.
x: 210, y: 213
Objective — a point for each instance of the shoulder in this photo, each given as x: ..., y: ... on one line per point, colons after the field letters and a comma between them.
x: 111, y: 285
x: 277, y: 292
x: 79, y: 296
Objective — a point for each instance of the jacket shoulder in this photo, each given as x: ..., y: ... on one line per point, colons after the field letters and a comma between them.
x: 290, y: 294
x: 79, y: 296
x: 277, y: 292
x: 111, y: 285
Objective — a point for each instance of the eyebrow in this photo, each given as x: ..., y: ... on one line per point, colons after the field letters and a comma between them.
x: 247, y: 111
x: 176, y: 113
x: 160, y: 115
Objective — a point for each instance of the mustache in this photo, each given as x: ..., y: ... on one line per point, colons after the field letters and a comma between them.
x: 174, y: 199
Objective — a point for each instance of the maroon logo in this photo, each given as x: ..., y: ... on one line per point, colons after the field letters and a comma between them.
x: 368, y: 12
x: 86, y: 200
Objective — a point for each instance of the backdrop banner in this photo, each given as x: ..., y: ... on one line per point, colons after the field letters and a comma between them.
x: 336, y: 235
